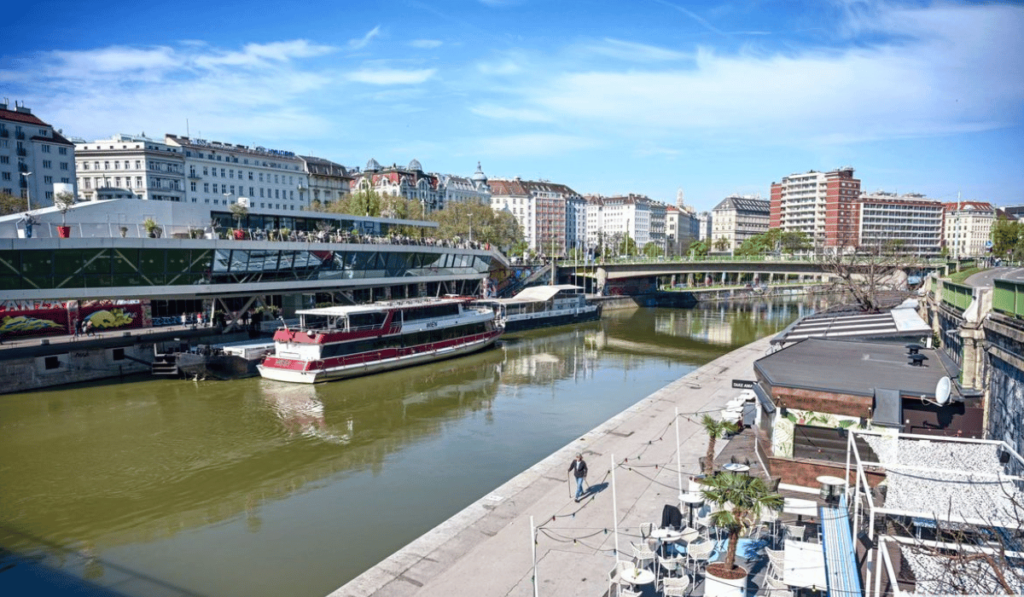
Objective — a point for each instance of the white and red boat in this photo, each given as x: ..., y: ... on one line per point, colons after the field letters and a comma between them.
x: 339, y: 342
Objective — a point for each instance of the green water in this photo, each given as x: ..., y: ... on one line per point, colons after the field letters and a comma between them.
x: 255, y: 488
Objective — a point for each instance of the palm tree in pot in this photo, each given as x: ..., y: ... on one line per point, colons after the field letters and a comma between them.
x: 739, y: 501
x: 715, y: 429
x: 239, y: 211
x: 63, y: 201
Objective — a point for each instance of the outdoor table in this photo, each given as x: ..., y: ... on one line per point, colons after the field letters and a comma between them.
x: 637, y: 576
x: 735, y: 467
x: 692, y: 500
x: 799, y: 507
x: 803, y: 565
x: 829, y: 485
x: 665, y: 536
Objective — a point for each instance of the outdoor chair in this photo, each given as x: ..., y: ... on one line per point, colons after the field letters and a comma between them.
x: 794, y: 531
x: 675, y: 587
x: 700, y: 554
x: 776, y: 557
x: 671, y: 565
x: 643, y: 555
x: 777, y: 588
x: 645, y: 529
x: 624, y: 592
x: 703, y: 523
x: 615, y: 576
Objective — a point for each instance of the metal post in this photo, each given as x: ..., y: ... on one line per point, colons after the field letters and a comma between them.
x: 615, y: 514
x: 679, y: 459
x: 533, y: 550
x: 28, y: 192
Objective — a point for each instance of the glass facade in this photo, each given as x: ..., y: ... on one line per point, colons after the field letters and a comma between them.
x: 134, y: 267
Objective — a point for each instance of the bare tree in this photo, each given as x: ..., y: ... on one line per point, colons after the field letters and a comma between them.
x: 869, y: 274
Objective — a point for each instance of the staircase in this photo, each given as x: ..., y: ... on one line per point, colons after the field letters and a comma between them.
x: 164, y: 364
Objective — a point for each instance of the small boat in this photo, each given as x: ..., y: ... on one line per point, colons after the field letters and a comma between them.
x: 236, y: 360
x: 543, y: 306
x: 333, y: 343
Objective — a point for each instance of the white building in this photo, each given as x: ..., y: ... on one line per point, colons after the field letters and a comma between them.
x: 328, y: 181
x: 909, y: 223
x: 551, y: 215
x: 736, y: 219
x: 610, y: 219
x: 967, y: 228
x: 704, y: 225
x: 33, y: 156
x: 459, y: 189
x: 223, y: 173
x: 130, y: 167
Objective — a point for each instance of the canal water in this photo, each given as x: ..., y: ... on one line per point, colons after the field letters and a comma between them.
x: 253, y: 488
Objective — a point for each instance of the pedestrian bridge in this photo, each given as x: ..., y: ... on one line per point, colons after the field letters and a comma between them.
x: 166, y: 268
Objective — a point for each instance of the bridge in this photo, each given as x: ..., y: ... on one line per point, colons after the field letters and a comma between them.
x: 718, y: 270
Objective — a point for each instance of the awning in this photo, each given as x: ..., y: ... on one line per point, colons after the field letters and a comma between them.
x: 888, y: 408
x: 840, y: 557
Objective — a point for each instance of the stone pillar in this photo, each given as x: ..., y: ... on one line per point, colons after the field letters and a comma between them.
x: 602, y: 281
x: 973, y: 357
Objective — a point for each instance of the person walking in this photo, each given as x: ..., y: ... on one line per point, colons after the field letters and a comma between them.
x: 579, y: 469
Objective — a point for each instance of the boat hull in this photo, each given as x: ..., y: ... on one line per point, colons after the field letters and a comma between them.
x: 541, y: 320
x: 375, y: 366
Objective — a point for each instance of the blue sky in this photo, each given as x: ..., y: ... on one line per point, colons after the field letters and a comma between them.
x: 646, y: 96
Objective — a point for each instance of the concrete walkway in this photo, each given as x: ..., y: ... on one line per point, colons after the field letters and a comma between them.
x: 486, y: 549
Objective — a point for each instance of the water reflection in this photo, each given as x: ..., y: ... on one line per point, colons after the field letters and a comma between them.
x: 156, y: 474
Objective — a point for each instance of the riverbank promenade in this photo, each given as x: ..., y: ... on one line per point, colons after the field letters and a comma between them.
x: 485, y: 550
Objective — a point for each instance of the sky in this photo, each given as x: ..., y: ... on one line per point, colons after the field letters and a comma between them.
x: 645, y: 96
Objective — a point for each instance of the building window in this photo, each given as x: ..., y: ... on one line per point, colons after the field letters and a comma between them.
x: 62, y: 150
x: 206, y: 188
x: 194, y: 185
x: 251, y: 193
x: 48, y: 180
x: 6, y: 175
x: 214, y: 187
x: 50, y: 363
x: 63, y: 165
x: 47, y: 164
x: 45, y: 148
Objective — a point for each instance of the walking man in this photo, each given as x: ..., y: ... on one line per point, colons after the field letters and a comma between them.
x: 579, y: 469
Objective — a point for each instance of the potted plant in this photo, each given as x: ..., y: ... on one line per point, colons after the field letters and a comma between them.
x: 738, y: 501
x: 153, y: 230
x: 63, y: 201
x: 239, y: 212
x: 286, y: 233
x: 124, y: 231
x: 715, y: 429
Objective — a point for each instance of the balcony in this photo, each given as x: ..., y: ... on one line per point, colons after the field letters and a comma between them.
x: 22, y: 152
x: 22, y: 167
x: 19, y: 135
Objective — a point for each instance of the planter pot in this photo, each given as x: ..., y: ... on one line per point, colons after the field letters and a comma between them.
x: 239, y: 234
x: 719, y: 584
x: 64, y: 231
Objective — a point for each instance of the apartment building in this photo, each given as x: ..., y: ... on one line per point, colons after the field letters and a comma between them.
x: 967, y: 228
x: 611, y: 219
x: 822, y: 205
x: 220, y: 173
x: 736, y: 219
x: 552, y: 215
x: 909, y: 223
x: 328, y: 181
x: 33, y: 157
x: 704, y: 226
x: 130, y: 167
x: 410, y: 182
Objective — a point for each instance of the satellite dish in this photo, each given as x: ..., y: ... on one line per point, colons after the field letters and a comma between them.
x: 942, y: 389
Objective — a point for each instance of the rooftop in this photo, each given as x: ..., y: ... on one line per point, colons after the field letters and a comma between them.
x: 854, y: 368
x: 900, y: 321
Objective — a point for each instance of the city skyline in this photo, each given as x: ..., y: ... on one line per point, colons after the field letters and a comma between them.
x: 917, y: 97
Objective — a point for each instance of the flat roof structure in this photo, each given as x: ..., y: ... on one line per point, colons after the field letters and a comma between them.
x: 856, y: 368
x: 537, y: 294
x: 897, y: 322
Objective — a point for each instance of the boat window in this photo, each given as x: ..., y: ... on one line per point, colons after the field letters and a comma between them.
x: 431, y: 312
x: 360, y: 320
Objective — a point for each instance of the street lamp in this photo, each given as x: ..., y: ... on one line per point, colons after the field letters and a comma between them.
x: 470, y: 228
x: 227, y: 198
x: 28, y: 191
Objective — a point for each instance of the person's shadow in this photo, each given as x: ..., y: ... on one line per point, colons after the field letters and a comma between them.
x: 595, y: 489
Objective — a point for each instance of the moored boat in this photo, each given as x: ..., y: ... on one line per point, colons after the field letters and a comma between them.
x: 544, y: 306
x: 339, y: 342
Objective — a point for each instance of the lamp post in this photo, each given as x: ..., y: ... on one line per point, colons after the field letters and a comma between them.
x: 28, y: 192
x: 470, y: 229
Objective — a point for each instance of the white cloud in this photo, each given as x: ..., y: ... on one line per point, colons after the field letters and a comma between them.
x: 426, y: 44
x: 536, y: 144
x: 945, y: 71
x: 256, y: 55
x: 361, y: 42
x: 391, y: 76
x: 503, y: 113
x: 624, y: 50
x: 502, y: 67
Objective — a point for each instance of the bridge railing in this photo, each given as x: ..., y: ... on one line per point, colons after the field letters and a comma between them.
x: 1008, y: 298
x: 640, y: 260
x: 957, y: 296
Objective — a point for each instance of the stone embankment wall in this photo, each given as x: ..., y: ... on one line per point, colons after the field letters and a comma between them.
x: 26, y: 370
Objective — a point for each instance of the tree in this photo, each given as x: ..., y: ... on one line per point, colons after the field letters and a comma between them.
x: 1006, y: 236
x: 722, y: 244
x: 500, y: 229
x: 868, y: 273
x: 63, y: 202
x: 699, y: 248
x: 715, y: 429
x: 9, y: 204
x: 652, y: 250
x: 626, y: 246
x: 238, y: 212
x: 739, y: 500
